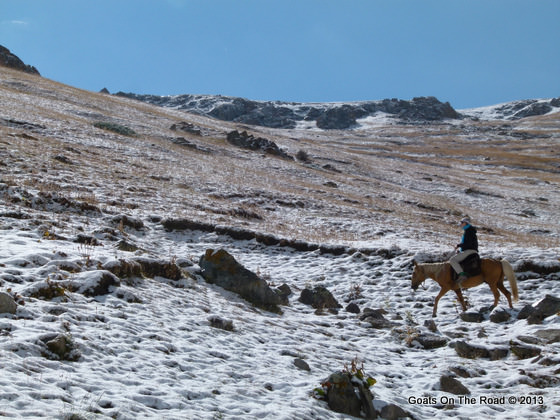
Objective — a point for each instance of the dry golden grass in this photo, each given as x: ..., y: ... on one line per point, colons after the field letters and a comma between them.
x: 412, y: 180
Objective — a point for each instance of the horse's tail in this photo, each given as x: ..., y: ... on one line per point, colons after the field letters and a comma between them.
x: 508, y: 272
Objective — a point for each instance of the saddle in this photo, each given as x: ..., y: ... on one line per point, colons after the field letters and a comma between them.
x: 471, y: 266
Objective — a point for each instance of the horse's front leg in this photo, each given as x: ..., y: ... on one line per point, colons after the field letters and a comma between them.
x: 459, y: 294
x: 438, y: 297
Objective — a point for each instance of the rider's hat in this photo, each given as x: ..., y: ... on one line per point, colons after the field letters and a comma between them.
x: 466, y: 220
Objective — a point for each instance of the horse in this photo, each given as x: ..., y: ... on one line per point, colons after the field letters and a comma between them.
x: 493, y: 272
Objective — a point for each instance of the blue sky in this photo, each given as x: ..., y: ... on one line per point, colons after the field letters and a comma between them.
x: 470, y: 53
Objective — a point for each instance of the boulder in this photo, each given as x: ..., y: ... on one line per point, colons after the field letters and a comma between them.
x: 7, y: 304
x: 431, y: 341
x: 376, y: 318
x: 347, y: 395
x: 471, y: 316
x: 319, y: 298
x: 500, y: 315
x: 470, y: 351
x: 523, y: 351
x: 550, y: 305
x: 221, y: 268
x: 450, y: 384
x: 223, y: 324
x: 301, y: 364
x: 549, y: 336
x: 93, y: 283
x: 151, y: 267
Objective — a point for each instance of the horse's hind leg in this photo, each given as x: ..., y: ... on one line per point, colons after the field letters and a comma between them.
x: 506, y: 293
x: 461, y: 299
x: 496, y: 294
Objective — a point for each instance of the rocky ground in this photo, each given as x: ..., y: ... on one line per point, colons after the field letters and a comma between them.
x: 108, y: 205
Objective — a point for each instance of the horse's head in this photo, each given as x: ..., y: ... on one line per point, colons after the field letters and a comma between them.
x: 418, y: 276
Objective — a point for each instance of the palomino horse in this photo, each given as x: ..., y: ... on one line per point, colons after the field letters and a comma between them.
x: 493, y: 272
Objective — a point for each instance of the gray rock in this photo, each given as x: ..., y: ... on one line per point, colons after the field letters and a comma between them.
x: 319, y: 298
x: 376, y: 318
x: 450, y: 384
x: 471, y: 317
x: 99, y: 282
x: 470, y: 351
x: 218, y: 322
x: 7, y: 304
x: 500, y: 315
x: 350, y: 397
x: 550, y: 305
x: 220, y: 268
x: 431, y: 341
x: 523, y: 351
x: 301, y: 364
x: 550, y: 336
x: 394, y: 412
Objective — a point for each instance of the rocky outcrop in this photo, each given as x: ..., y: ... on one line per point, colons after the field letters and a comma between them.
x: 221, y: 268
x: 328, y: 116
x: 8, y: 59
x: 248, y: 141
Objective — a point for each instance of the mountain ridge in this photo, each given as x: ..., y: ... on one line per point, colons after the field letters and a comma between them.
x: 340, y: 115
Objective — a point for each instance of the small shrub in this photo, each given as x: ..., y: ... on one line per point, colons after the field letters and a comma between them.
x: 302, y: 156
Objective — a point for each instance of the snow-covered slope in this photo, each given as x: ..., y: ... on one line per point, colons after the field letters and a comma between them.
x: 88, y: 182
x: 515, y: 110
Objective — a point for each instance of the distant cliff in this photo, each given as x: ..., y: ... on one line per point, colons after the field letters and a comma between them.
x: 277, y: 114
x: 8, y: 59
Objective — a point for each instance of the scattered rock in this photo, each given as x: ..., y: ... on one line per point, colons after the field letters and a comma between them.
x: 187, y: 128
x: 93, y: 283
x: 123, y: 268
x: 221, y: 268
x: 394, y: 412
x: 284, y: 292
x: 467, y: 373
x: 353, y: 308
x: 376, y: 318
x: 470, y: 351
x: 430, y: 325
x: 60, y: 347
x: 223, y: 324
x: 500, y: 315
x: 431, y: 341
x: 152, y: 267
x: 524, y: 351
x: 7, y: 304
x: 450, y: 384
x: 525, y: 312
x: 319, y: 298
x: 471, y: 316
x: 550, y: 336
x: 345, y: 395
x: 124, y: 220
x: 550, y: 305
x: 302, y: 364
x: 248, y: 141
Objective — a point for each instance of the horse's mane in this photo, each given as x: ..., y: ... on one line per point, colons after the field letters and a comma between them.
x: 433, y: 269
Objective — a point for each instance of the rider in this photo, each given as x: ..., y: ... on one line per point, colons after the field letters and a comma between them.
x: 468, y: 246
